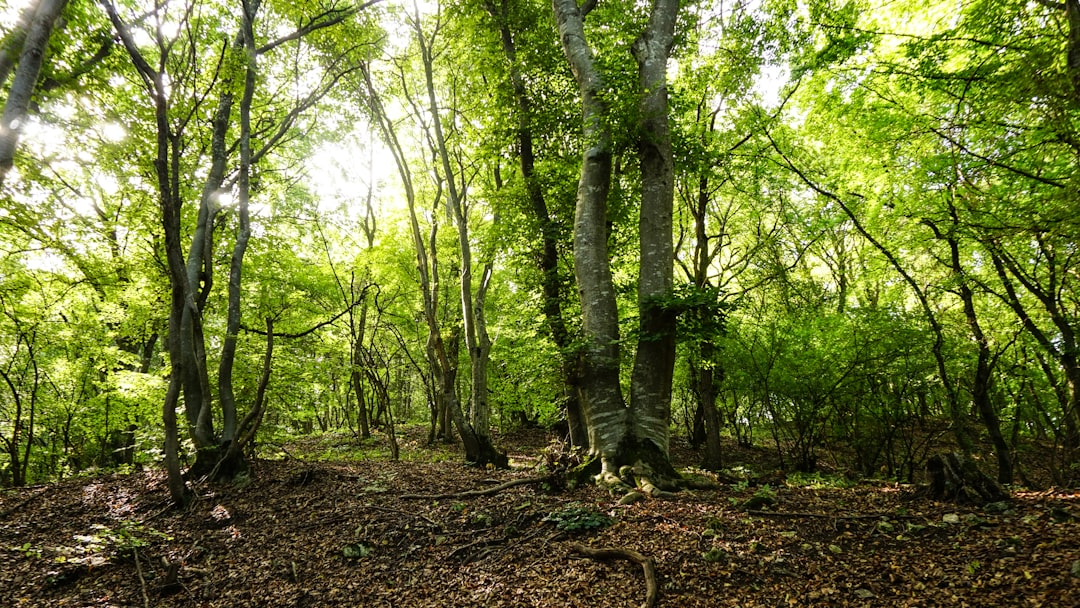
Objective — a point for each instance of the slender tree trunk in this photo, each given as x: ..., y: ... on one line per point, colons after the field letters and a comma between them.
x: 231, y: 461
x: 956, y: 412
x: 548, y: 256
x: 1063, y: 347
x: 982, y: 378
x: 25, y: 82
x: 356, y: 361
x: 477, y: 450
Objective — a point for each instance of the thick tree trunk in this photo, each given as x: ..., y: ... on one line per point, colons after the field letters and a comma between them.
x: 12, y: 45
x: 601, y: 394
x: 628, y: 440
x: 654, y: 363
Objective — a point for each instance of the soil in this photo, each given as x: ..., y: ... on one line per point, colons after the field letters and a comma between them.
x: 315, y: 529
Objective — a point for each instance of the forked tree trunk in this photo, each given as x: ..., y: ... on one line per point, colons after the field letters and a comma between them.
x: 621, y: 435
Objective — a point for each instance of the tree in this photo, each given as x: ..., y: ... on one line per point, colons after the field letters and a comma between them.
x: 621, y: 434
x: 192, y: 276
x: 34, y: 44
x: 511, y: 24
x: 441, y: 349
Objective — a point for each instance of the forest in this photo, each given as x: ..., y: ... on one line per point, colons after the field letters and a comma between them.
x: 774, y: 290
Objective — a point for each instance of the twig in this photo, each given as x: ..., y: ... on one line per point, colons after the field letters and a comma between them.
x: 829, y: 516
x: 483, y: 541
x: 420, y: 515
x: 142, y: 580
x: 647, y: 564
x: 476, y: 493
x: 26, y: 501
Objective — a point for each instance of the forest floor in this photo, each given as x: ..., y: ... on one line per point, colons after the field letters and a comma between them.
x: 331, y: 525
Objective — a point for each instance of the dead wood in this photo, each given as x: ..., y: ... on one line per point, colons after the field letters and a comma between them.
x: 829, y: 516
x: 433, y: 523
x: 477, y: 493
x: 647, y: 564
x: 9, y: 512
x: 142, y: 580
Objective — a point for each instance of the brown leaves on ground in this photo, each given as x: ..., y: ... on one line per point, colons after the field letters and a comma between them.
x: 337, y: 534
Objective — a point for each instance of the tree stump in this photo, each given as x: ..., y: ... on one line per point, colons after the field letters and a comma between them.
x: 956, y: 478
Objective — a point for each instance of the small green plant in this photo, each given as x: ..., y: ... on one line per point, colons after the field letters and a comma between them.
x: 123, y: 541
x: 765, y: 496
x: 577, y: 517
x: 714, y: 555
x: 817, y: 481
x: 479, y: 518
x: 28, y: 550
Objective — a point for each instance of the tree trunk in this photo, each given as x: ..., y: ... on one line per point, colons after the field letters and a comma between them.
x: 982, y: 379
x: 601, y: 394
x: 956, y: 477
x: 25, y: 81
x: 12, y: 44
x: 547, y: 255
x: 478, y: 422
x: 621, y: 436
x: 357, y: 331
x: 478, y: 450
x: 654, y: 363
x: 706, y: 392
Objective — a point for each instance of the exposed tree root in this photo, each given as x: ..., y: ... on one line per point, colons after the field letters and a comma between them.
x: 955, y: 477
x: 477, y: 493
x: 652, y: 589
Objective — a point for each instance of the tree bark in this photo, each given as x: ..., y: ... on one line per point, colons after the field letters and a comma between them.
x: 654, y: 363
x: 621, y: 436
x: 25, y: 82
x: 547, y: 255
x: 982, y: 379
x: 601, y: 394
x: 478, y: 449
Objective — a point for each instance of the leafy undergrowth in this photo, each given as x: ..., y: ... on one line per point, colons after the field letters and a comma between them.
x: 337, y: 533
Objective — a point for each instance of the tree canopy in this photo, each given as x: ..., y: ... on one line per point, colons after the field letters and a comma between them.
x: 804, y: 225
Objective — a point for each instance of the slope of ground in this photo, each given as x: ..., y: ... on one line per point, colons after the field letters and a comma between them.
x: 307, y: 532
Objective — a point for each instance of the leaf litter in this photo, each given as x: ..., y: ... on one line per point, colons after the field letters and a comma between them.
x: 325, y: 533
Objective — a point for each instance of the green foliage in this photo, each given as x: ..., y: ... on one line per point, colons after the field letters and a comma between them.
x: 818, y: 480
x: 576, y: 517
